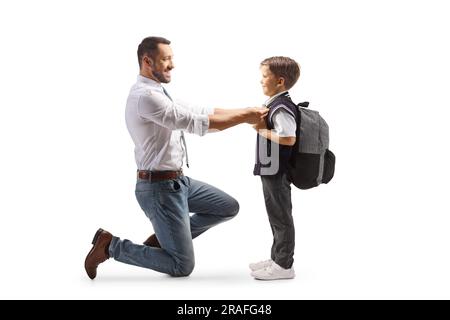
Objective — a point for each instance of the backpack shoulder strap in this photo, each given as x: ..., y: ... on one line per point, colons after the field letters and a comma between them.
x: 284, y: 103
x: 298, y: 119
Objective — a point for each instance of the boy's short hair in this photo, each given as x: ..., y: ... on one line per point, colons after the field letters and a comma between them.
x: 283, y: 67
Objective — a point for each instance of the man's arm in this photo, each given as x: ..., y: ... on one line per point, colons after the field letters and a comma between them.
x: 225, y: 111
x: 158, y: 108
x: 226, y: 118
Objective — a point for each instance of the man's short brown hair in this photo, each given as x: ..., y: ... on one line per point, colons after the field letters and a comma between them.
x: 149, y: 46
x: 283, y: 67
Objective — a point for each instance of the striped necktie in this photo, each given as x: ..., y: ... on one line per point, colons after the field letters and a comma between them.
x: 183, y: 140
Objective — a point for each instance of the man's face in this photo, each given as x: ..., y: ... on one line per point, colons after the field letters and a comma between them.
x: 162, y: 64
x: 269, y: 82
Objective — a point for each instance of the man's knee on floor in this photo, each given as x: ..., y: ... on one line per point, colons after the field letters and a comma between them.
x: 232, y: 208
x: 184, y: 268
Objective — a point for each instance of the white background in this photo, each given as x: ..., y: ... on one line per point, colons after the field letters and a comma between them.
x: 378, y: 71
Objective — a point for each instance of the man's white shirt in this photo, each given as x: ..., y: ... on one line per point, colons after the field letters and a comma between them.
x: 155, y: 123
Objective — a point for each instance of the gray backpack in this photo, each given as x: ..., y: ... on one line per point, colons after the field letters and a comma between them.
x: 311, y: 162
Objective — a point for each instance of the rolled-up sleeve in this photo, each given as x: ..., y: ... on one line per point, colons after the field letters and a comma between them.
x: 194, y: 108
x: 154, y: 106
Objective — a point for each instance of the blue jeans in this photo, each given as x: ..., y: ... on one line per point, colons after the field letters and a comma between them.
x: 167, y: 204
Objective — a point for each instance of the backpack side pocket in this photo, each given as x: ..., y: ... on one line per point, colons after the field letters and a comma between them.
x: 328, y: 166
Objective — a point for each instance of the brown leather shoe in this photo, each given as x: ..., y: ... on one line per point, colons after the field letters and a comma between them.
x: 152, y: 241
x: 99, y: 252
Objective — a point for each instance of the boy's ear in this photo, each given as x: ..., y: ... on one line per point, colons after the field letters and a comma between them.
x: 281, y: 81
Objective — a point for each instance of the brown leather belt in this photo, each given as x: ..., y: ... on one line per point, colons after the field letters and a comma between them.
x: 159, y: 175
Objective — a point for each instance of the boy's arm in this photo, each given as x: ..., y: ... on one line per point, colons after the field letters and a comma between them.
x: 271, y: 135
x: 284, y: 124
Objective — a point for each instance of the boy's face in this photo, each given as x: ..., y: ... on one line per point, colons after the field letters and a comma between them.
x: 270, y: 83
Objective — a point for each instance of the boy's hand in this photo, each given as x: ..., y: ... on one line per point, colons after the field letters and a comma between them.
x: 256, y: 114
x: 261, y: 124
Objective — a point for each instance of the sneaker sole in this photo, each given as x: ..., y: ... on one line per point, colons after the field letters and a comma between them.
x: 274, y: 279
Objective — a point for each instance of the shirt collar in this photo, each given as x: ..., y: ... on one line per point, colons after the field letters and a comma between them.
x: 149, y: 82
x: 274, y: 97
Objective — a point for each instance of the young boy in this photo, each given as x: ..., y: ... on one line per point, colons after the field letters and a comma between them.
x: 275, y: 140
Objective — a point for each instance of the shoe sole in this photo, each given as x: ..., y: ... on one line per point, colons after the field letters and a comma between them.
x: 274, y: 279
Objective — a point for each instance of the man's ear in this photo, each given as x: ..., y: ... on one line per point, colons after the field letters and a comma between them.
x: 148, y: 60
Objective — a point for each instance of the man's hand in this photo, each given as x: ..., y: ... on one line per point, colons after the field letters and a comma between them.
x: 256, y: 114
x: 261, y: 124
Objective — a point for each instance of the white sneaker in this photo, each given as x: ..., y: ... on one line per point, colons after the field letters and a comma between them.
x: 260, y: 265
x: 274, y: 272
